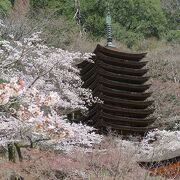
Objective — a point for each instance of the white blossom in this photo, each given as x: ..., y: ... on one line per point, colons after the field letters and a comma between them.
x: 43, y: 85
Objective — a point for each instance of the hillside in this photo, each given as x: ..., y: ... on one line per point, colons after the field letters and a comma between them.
x: 41, y: 43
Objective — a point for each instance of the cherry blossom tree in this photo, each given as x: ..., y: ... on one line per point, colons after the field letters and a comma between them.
x: 39, y: 86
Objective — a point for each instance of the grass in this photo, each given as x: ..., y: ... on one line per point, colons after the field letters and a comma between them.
x: 164, y: 69
x: 107, y: 161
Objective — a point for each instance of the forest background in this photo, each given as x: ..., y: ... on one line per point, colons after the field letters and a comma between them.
x: 133, y: 21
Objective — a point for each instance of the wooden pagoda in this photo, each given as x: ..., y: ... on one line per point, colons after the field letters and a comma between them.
x: 119, y: 80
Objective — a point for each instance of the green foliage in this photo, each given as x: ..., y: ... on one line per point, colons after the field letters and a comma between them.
x: 93, y: 16
x: 133, y: 20
x: 145, y: 16
x: 62, y: 7
x: 95, y: 25
x: 5, y: 6
x: 173, y: 36
x: 37, y: 4
x: 14, y: 105
x: 91, y: 8
x: 171, y: 9
x: 130, y: 38
x: 2, y: 81
x: 59, y: 7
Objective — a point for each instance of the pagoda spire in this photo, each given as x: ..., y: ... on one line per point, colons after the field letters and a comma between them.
x: 109, y: 28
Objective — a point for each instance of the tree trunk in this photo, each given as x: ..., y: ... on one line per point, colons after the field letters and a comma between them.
x: 11, y: 152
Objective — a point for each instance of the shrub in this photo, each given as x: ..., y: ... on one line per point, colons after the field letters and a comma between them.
x: 95, y: 25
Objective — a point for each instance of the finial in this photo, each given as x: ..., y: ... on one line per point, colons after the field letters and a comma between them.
x: 109, y: 28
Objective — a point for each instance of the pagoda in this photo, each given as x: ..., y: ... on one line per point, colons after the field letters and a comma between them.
x: 119, y: 79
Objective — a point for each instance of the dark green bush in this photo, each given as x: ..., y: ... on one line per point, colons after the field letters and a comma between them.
x: 95, y: 25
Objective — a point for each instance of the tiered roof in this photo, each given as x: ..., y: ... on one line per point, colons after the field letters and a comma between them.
x: 119, y: 79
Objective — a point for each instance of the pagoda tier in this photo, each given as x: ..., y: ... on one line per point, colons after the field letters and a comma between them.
x: 119, y: 80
